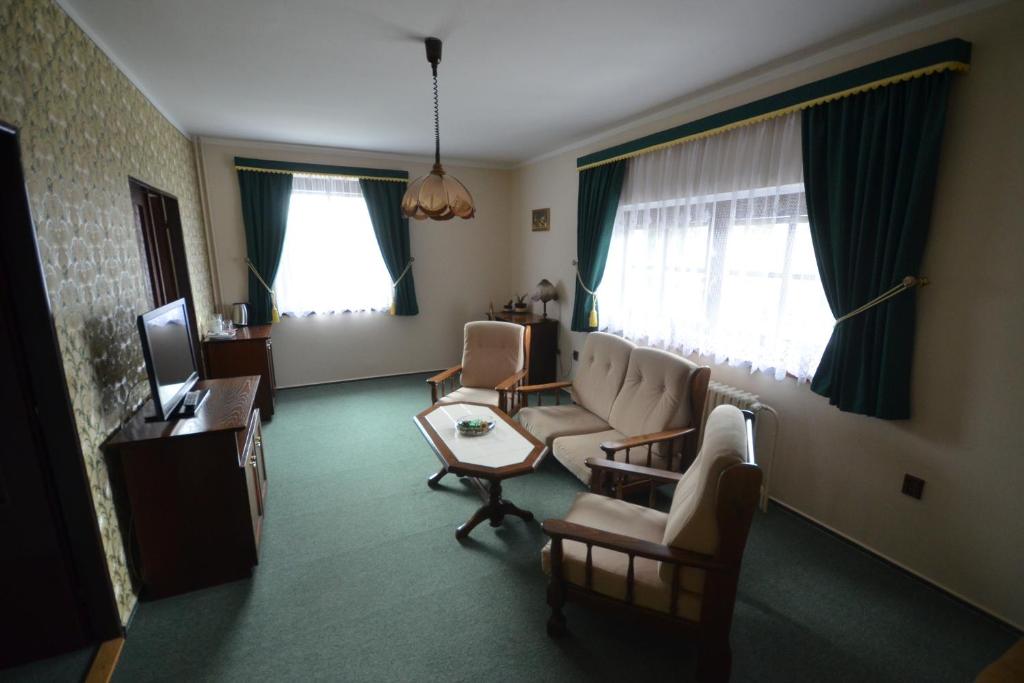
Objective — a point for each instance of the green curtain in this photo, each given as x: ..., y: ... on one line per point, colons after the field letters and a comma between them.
x: 870, y: 164
x: 597, y: 202
x: 265, y: 201
x: 384, y: 201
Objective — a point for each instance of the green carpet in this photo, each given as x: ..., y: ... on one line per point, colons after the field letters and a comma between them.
x: 361, y: 579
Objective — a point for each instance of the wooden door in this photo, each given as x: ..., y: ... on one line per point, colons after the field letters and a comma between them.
x: 158, y: 220
x: 55, y: 589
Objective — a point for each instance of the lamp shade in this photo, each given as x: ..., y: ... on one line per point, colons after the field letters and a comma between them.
x: 545, y: 291
x: 437, y: 196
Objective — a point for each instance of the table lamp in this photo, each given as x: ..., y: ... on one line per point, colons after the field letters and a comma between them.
x: 545, y: 293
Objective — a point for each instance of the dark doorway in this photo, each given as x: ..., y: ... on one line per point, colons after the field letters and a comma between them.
x: 158, y: 221
x: 54, y: 585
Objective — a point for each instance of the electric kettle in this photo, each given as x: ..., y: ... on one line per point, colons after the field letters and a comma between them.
x: 240, y: 314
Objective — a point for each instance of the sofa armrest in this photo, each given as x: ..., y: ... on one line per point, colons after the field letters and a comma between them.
x: 612, y: 447
x: 615, y: 467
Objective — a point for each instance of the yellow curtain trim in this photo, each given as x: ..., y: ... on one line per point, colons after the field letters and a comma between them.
x: 319, y: 175
x: 874, y: 85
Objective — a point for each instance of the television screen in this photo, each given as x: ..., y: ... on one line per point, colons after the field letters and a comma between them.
x: 167, y: 347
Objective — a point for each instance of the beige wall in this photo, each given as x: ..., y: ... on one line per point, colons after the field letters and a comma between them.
x: 460, y: 267
x: 967, y: 534
x: 84, y: 129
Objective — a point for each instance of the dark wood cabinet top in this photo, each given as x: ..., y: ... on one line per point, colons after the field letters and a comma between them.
x: 245, y: 333
x: 521, y: 318
x: 227, y: 408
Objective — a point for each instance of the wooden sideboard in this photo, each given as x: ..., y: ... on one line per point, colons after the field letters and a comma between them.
x: 193, y: 490
x: 541, y: 341
x: 250, y: 352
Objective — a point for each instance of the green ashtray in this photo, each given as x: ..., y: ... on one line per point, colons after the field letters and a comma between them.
x: 474, y: 425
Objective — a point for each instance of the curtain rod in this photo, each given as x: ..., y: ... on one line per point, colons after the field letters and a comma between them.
x: 949, y: 55
x: 325, y: 170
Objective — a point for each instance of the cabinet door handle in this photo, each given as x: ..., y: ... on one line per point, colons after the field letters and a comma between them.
x: 258, y: 441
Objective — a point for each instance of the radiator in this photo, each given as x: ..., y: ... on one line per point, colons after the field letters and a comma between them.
x: 764, y: 447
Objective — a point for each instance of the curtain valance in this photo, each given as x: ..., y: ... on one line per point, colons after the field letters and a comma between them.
x: 949, y: 55
x: 360, y: 173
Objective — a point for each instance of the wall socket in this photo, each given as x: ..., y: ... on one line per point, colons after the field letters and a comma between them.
x: 575, y: 354
x: 913, y: 486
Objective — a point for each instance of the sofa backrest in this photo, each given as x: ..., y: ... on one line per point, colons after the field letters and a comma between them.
x: 655, y: 394
x: 692, y: 520
x: 492, y: 351
x: 602, y: 366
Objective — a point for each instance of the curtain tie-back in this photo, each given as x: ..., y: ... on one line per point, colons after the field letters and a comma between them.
x: 394, y: 285
x: 275, y: 316
x: 592, y: 321
x: 909, y: 282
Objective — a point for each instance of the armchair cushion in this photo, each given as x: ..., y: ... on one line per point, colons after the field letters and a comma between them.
x: 692, y: 523
x: 573, y: 451
x: 492, y: 352
x: 610, y: 567
x: 548, y: 423
x: 471, y: 395
x: 655, y: 394
x: 599, y: 375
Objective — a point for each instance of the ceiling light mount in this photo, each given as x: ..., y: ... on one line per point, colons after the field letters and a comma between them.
x: 437, y: 196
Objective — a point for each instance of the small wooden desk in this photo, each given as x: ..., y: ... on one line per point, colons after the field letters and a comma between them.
x: 249, y: 352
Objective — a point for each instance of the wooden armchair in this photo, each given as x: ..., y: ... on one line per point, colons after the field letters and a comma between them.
x: 492, y: 367
x: 678, y: 570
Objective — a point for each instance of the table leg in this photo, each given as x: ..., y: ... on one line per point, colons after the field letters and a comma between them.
x: 435, y: 479
x: 478, y: 516
x: 494, y: 509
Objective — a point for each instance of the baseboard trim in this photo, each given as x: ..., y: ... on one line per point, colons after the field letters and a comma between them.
x: 432, y: 371
x: 896, y: 564
x: 105, y: 661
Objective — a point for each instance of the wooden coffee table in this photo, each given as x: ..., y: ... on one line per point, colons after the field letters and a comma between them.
x: 507, y: 451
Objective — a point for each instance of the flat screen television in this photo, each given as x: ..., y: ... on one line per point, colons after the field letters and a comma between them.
x: 170, y: 358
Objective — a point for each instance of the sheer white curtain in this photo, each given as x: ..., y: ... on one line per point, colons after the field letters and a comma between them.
x: 330, y: 261
x: 711, y: 252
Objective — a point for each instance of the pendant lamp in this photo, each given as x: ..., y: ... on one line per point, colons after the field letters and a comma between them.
x: 437, y: 195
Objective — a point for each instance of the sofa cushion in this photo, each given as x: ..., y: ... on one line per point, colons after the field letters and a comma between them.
x: 691, y: 520
x: 573, y: 451
x: 655, y: 395
x: 471, y: 395
x: 610, y: 567
x: 602, y: 366
x: 492, y: 352
x: 547, y: 423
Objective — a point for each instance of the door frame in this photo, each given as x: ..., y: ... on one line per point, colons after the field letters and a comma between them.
x: 179, y: 259
x: 21, y: 270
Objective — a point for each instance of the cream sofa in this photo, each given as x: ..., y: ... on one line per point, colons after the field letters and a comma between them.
x: 630, y: 403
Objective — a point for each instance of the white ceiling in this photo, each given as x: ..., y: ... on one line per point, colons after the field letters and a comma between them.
x: 517, y: 78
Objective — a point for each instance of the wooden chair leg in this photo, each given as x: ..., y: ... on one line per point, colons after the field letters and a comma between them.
x: 714, y: 660
x: 556, y: 599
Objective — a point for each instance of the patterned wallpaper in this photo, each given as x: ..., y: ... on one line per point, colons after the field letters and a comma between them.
x: 84, y: 130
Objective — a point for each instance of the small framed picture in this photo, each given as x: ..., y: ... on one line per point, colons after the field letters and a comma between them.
x: 541, y: 219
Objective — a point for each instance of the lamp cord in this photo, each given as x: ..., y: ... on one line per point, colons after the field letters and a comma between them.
x: 437, y: 121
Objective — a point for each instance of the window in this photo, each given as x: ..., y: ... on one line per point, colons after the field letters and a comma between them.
x: 330, y: 261
x: 711, y: 253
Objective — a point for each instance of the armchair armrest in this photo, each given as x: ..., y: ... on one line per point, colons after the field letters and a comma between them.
x: 438, y: 381
x: 653, y: 473
x: 611, y: 447
x: 510, y: 382
x: 565, y: 530
x: 444, y: 375
x: 550, y: 386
